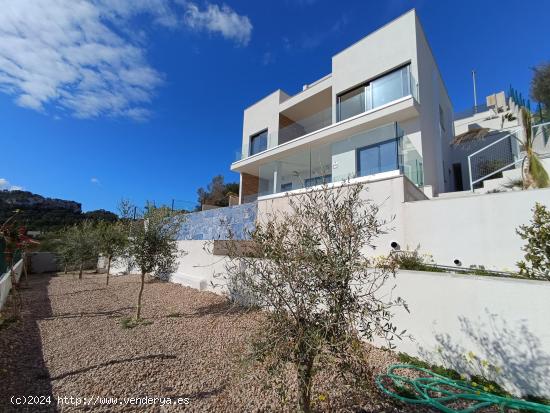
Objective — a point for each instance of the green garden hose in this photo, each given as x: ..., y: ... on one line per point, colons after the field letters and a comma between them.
x: 441, y: 393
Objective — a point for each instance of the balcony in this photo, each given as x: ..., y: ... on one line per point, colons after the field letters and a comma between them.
x: 376, y: 102
x: 377, y: 153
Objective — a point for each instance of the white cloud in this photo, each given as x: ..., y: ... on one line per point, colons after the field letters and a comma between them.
x: 76, y: 56
x: 222, y: 20
x: 87, y: 58
x: 95, y: 181
x: 5, y: 185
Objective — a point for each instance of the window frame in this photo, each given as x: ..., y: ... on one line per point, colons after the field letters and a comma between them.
x: 368, y: 90
x: 255, y: 135
x: 358, y: 156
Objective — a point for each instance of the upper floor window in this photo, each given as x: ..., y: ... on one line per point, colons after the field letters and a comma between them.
x: 258, y: 143
x: 378, y: 92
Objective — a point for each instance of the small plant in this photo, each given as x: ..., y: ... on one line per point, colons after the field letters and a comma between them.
x: 175, y: 315
x: 5, y: 322
x: 476, y: 381
x: 479, y: 270
x: 537, y: 250
x: 131, y: 322
x: 414, y: 260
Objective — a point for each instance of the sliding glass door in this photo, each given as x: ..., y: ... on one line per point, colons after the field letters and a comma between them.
x: 374, y: 159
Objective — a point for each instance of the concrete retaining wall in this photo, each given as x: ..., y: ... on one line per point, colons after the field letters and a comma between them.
x: 477, y: 230
x: 473, y: 324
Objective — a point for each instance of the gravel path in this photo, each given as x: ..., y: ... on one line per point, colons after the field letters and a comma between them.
x: 70, y: 343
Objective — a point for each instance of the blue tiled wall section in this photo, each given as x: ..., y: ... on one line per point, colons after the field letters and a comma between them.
x: 215, y: 223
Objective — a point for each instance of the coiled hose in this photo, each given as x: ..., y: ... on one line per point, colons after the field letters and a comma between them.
x: 441, y: 392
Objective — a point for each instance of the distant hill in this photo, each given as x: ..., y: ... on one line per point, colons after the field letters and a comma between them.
x: 38, y: 213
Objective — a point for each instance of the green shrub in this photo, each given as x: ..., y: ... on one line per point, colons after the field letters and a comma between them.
x: 537, y: 250
x: 415, y: 261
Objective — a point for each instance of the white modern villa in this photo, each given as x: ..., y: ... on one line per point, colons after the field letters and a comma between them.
x: 382, y: 112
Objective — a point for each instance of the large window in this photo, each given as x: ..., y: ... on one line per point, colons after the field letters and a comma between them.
x: 375, y: 93
x: 374, y: 159
x: 258, y: 143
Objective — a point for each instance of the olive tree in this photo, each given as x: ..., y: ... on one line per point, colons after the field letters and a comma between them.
x: 112, y: 240
x: 79, y: 244
x: 309, y: 269
x: 153, y: 245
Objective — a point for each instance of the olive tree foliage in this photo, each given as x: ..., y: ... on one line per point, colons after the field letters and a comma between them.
x: 308, y: 269
x: 153, y: 245
x: 537, y: 249
x: 540, y: 84
x: 112, y: 240
x: 79, y: 245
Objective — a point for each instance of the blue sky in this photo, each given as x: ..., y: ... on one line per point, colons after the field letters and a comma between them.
x: 143, y: 99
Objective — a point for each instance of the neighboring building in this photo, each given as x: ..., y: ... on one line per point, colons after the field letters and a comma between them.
x: 384, y: 111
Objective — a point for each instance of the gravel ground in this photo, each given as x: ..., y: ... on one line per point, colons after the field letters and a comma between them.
x: 70, y: 343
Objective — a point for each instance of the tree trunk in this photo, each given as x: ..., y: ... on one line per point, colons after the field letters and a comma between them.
x: 108, y: 268
x: 138, y: 309
x: 526, y: 174
x: 65, y: 270
x: 80, y: 272
x: 305, y: 370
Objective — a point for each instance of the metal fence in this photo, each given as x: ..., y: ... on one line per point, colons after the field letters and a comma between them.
x: 495, y: 158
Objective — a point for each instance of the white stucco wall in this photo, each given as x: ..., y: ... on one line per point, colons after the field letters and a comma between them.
x: 5, y: 282
x: 387, y: 48
x: 460, y: 320
x: 432, y: 95
x: 477, y: 230
x: 260, y: 116
x: 198, y: 268
x: 388, y: 193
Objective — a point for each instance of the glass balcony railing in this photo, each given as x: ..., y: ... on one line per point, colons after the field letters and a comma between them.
x: 374, y: 153
x: 304, y: 126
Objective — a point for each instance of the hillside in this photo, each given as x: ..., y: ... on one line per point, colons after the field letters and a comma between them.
x: 38, y: 213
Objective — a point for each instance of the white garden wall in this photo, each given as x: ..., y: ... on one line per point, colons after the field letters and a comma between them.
x: 197, y: 267
x: 477, y: 230
x: 470, y: 323
x: 5, y: 282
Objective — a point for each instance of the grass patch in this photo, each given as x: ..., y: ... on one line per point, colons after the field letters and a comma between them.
x: 131, y: 322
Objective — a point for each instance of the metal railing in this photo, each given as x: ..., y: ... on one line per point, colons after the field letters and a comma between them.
x: 502, y: 154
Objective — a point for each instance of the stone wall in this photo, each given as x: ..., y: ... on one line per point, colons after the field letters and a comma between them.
x: 215, y: 224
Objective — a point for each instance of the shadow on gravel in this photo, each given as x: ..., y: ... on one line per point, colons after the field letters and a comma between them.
x: 23, y: 371
x: 114, y: 362
x: 202, y: 394
x: 112, y: 313
x: 80, y: 291
x: 222, y: 308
